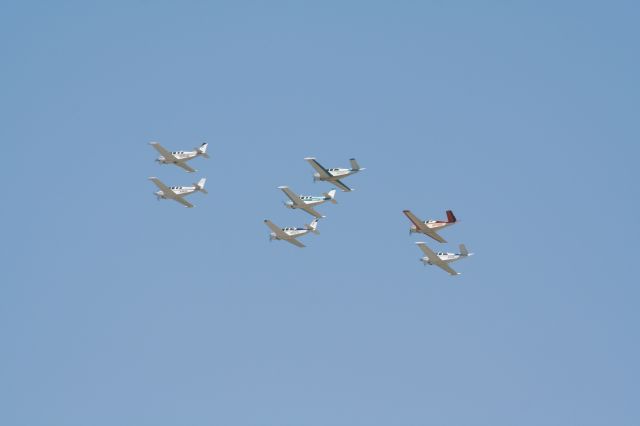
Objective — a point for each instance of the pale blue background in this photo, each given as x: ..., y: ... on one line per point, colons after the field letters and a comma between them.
x: 522, y: 117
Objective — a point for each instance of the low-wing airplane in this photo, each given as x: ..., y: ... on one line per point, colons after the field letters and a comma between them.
x: 429, y: 227
x: 334, y: 175
x: 290, y: 235
x: 178, y: 193
x: 442, y: 259
x: 306, y: 202
x: 179, y: 158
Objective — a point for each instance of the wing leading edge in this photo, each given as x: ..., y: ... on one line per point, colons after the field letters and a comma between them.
x: 321, y: 170
x: 282, y: 235
x: 163, y: 151
x: 435, y: 260
x: 420, y: 226
x: 168, y: 192
x: 298, y: 203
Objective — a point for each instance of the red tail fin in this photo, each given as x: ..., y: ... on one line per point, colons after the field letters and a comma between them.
x: 450, y: 217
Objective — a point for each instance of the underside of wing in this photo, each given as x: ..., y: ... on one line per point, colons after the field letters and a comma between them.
x: 311, y: 211
x: 182, y: 201
x: 279, y: 232
x: 292, y: 196
x: 321, y: 170
x: 295, y: 242
x: 446, y: 267
x: 433, y: 258
x: 166, y: 154
x: 421, y: 227
x: 431, y: 233
x: 164, y: 188
x: 341, y: 185
x: 185, y: 166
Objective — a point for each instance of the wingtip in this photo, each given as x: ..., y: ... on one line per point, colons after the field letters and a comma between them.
x: 152, y: 178
x: 283, y: 187
x: 309, y: 158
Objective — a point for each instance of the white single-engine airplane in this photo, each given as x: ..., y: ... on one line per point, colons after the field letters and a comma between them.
x: 179, y: 158
x: 441, y: 259
x: 334, y: 175
x: 177, y: 193
x: 306, y: 202
x: 429, y: 227
x: 290, y: 234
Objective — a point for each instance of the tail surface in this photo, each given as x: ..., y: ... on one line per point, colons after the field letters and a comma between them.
x: 313, y: 226
x: 200, y: 185
x: 331, y: 195
x: 464, y: 251
x: 450, y: 217
x: 203, y: 150
x: 354, y: 165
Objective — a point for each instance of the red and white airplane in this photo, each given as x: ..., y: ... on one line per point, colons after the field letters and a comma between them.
x: 429, y: 227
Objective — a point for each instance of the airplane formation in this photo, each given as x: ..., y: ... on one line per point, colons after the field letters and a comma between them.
x: 179, y: 158
x: 308, y: 204
x: 428, y: 228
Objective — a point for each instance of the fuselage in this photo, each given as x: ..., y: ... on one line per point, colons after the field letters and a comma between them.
x: 177, y: 190
x: 445, y: 257
x: 336, y: 173
x: 432, y: 224
x: 308, y: 200
x: 180, y: 155
x: 292, y: 232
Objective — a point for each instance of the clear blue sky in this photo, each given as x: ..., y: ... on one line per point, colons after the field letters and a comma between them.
x: 522, y: 117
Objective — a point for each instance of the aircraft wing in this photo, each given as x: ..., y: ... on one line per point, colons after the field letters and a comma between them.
x: 311, y: 211
x: 166, y: 154
x: 321, y: 170
x: 340, y: 185
x: 168, y: 192
x: 279, y: 232
x: 298, y: 203
x: 185, y: 166
x: 292, y: 196
x: 446, y: 267
x: 295, y: 242
x: 435, y: 260
x: 420, y: 226
x: 182, y: 201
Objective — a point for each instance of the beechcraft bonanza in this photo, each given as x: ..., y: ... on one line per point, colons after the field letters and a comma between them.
x: 180, y: 158
x: 429, y: 227
x: 441, y: 259
x: 290, y: 235
x: 306, y: 202
x: 333, y: 176
x: 177, y: 193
